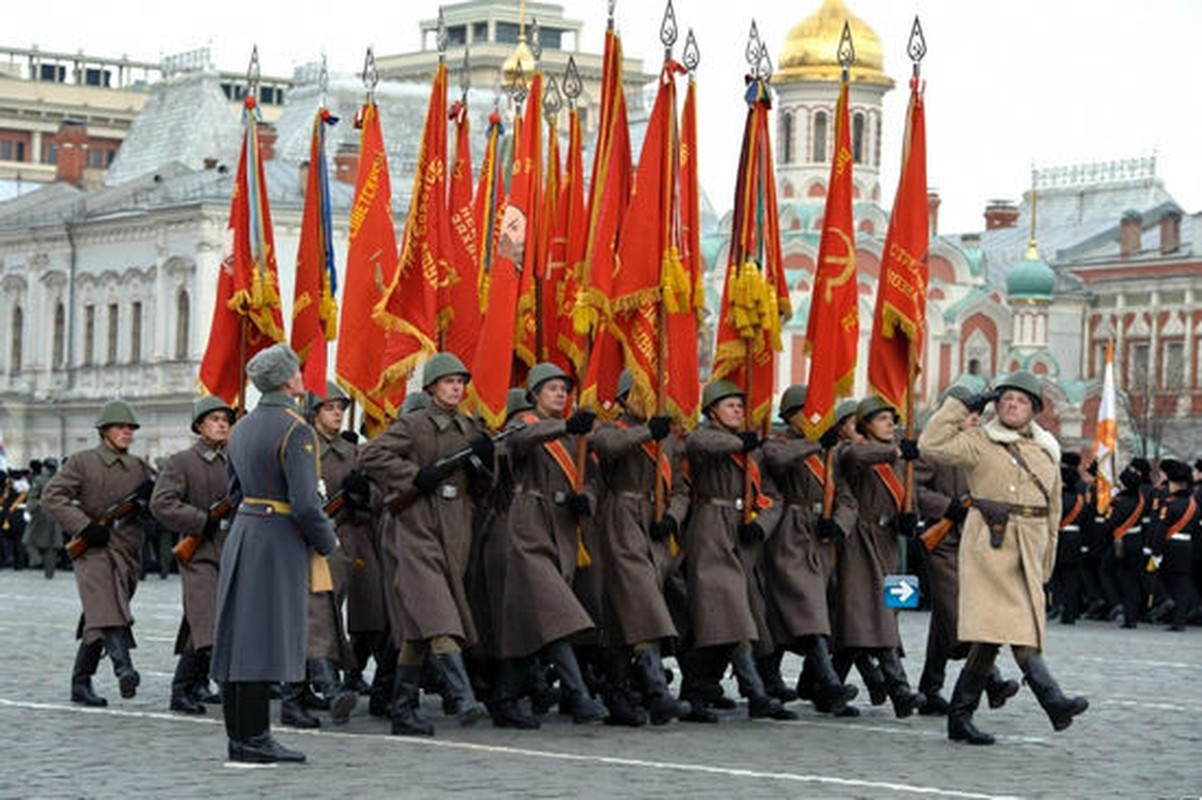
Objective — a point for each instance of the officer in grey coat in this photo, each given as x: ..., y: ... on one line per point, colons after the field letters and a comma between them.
x: 262, y: 591
x: 43, y: 537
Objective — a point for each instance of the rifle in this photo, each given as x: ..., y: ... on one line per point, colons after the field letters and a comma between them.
x: 118, y: 511
x: 187, y: 546
x: 336, y: 503
x: 445, y: 465
x: 934, y: 535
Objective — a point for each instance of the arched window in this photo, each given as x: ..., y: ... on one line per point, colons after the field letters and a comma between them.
x: 786, y: 137
x: 60, y: 336
x: 18, y: 331
x: 857, y: 138
x: 135, y: 332
x: 819, y: 154
x: 182, y: 309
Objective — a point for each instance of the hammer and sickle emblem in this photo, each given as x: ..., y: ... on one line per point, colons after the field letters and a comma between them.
x: 849, y: 265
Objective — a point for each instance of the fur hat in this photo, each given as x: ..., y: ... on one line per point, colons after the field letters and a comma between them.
x: 272, y: 368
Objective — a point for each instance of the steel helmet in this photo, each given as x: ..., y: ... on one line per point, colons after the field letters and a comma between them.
x: 116, y: 412
x: 207, y: 405
x: 1025, y: 382
x: 793, y: 399
x: 517, y: 401
x: 718, y: 390
x: 441, y: 365
x: 870, y: 406
x: 414, y: 401
x: 540, y: 374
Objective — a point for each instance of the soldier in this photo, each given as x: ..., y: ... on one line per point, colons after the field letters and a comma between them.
x: 185, y: 501
x: 540, y: 611
x: 799, y: 556
x: 43, y: 536
x: 723, y: 542
x: 13, y: 510
x: 1008, y: 546
x: 107, y: 572
x: 1125, y: 526
x: 1170, y: 539
x: 274, y: 471
x: 637, y: 554
x: 1065, y: 585
x: 427, y: 538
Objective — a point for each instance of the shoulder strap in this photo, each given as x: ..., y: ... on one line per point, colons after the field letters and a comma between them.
x: 1022, y: 462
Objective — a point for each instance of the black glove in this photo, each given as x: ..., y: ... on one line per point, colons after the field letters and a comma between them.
x: 829, y: 530
x: 96, y: 535
x: 483, y: 448
x: 145, y: 490
x: 579, y: 504
x: 661, y: 530
x: 956, y: 511
x: 581, y: 422
x: 829, y: 438
x: 427, y: 479
x: 750, y: 533
x: 211, y: 526
x: 976, y: 404
x: 350, y: 436
x: 751, y: 440
x: 909, y: 449
x: 660, y: 427
x: 907, y: 524
x: 357, y: 488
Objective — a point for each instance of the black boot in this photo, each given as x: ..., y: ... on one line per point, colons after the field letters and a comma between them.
x: 1060, y: 709
x: 929, y: 684
x: 458, y: 687
x: 406, y: 701
x: 694, y: 677
x: 829, y: 694
x: 663, y: 706
x: 965, y: 698
x: 201, y: 690
x: 769, y: 668
x: 117, y: 645
x: 999, y: 690
x: 874, y: 679
x: 342, y: 701
x: 256, y: 744
x: 759, y: 703
x: 505, y: 704
x: 905, y: 701
x: 229, y: 711
x: 361, y: 646
x: 293, y: 711
x: 182, y: 683
x: 380, y: 702
x: 87, y: 659
x: 576, y: 699
x: 617, y: 692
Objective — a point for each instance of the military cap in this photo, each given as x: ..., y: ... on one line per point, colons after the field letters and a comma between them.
x: 50, y: 463
x: 718, y: 390
x: 1026, y: 382
x: 440, y: 366
x: 1176, y: 471
x: 207, y: 405
x: 1142, y: 466
x: 1070, y: 459
x: 272, y: 368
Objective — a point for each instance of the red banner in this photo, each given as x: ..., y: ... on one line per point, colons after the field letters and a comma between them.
x: 459, y: 302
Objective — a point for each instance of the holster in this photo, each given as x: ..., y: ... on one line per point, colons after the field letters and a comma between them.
x: 996, y: 516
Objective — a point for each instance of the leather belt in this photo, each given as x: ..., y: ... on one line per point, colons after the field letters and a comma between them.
x: 1029, y: 511
x: 722, y: 502
x: 558, y: 498
x: 813, y: 508
x: 1071, y: 529
x: 1136, y: 529
x: 269, y: 508
x: 1180, y: 537
x: 631, y: 495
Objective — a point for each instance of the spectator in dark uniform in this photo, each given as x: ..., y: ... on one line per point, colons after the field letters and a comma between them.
x: 1171, y: 537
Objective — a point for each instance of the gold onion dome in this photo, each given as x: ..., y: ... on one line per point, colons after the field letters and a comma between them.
x: 811, y: 50
x: 522, y: 56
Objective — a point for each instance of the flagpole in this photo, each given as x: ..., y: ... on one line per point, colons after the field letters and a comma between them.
x: 917, y: 48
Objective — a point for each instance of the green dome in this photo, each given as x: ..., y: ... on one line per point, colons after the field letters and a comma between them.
x: 1031, y: 279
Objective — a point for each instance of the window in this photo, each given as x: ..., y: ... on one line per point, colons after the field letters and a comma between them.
x: 479, y: 31
x: 1173, y: 377
x: 551, y: 38
x: 97, y: 77
x: 974, y: 366
x: 89, y: 334
x: 857, y: 138
x: 819, y: 137
x: 60, y: 336
x: 110, y: 355
x: 135, y: 332
x: 456, y: 35
x: 182, y: 309
x: 786, y: 137
x: 507, y: 33
x: 96, y: 158
x: 1137, y: 368
x: 18, y: 331
x: 50, y: 154
x: 54, y: 73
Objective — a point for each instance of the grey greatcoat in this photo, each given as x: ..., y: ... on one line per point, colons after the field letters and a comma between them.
x: 539, y: 606
x: 633, y: 567
x: 43, y: 533
x: 727, y: 600
x: 192, y: 480
x: 106, y: 577
x: 262, y: 591
x: 1001, y: 588
x: 426, y: 544
x: 798, y: 567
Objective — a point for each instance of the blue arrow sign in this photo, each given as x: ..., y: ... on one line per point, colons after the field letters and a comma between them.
x: 901, y: 591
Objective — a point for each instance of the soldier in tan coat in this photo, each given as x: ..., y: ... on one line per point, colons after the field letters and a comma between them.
x: 192, y: 482
x: 1008, y: 545
x: 107, y: 573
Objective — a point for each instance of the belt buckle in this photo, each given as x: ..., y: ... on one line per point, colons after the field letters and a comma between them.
x: 738, y: 504
x: 560, y: 498
x: 884, y: 521
x: 449, y: 491
x: 223, y: 525
x: 268, y: 509
x: 816, y: 507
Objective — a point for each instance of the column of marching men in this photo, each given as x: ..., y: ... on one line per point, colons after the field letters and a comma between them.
x: 555, y: 563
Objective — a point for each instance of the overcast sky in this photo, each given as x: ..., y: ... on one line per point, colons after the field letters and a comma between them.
x: 1009, y: 85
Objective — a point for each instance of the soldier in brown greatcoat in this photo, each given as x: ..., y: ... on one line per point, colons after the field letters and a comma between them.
x: 108, y: 571
x: 1012, y: 463
x: 799, y: 558
x: 427, y: 537
x: 191, y: 482
x: 723, y: 549
x: 540, y: 609
x: 637, y: 554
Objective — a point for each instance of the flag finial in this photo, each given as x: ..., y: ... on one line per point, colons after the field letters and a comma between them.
x: 668, y: 31
x: 572, y: 85
x: 752, y: 52
x: 692, y: 53
x: 552, y: 100
x: 465, y: 74
x: 440, y: 37
x: 847, y: 50
x: 917, y: 46
x: 371, y: 75
x: 252, y: 75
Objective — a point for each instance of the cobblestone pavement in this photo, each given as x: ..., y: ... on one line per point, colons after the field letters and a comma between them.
x: 1141, y: 737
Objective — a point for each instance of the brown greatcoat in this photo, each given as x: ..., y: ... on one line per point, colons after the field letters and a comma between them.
x: 539, y: 606
x: 426, y: 544
x: 191, y: 481
x: 943, y: 570
x: 107, y: 576
x: 727, y: 603
x: 327, y: 633
x: 366, y: 605
x: 486, y: 567
x: 633, y: 566
x: 1001, y: 589
x: 798, y: 567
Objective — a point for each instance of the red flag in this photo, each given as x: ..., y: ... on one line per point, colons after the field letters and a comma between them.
x: 755, y: 298
x: 527, y: 342
x: 573, y: 227
x: 459, y: 307
x: 900, y: 317
x: 409, y: 308
x: 371, y: 261
x: 833, y: 329
x: 247, y: 317
x: 488, y: 208
x: 553, y: 253
x: 514, y: 253
x: 684, y: 371
x: 314, y: 310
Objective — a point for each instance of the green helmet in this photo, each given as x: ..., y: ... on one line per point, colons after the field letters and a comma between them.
x: 870, y: 406
x: 845, y: 409
x: 441, y: 365
x: 414, y: 401
x: 718, y: 390
x: 793, y: 399
x: 1026, y: 382
x: 334, y: 394
x: 540, y: 374
x: 207, y: 405
x: 625, y: 384
x: 116, y: 412
x: 516, y: 401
